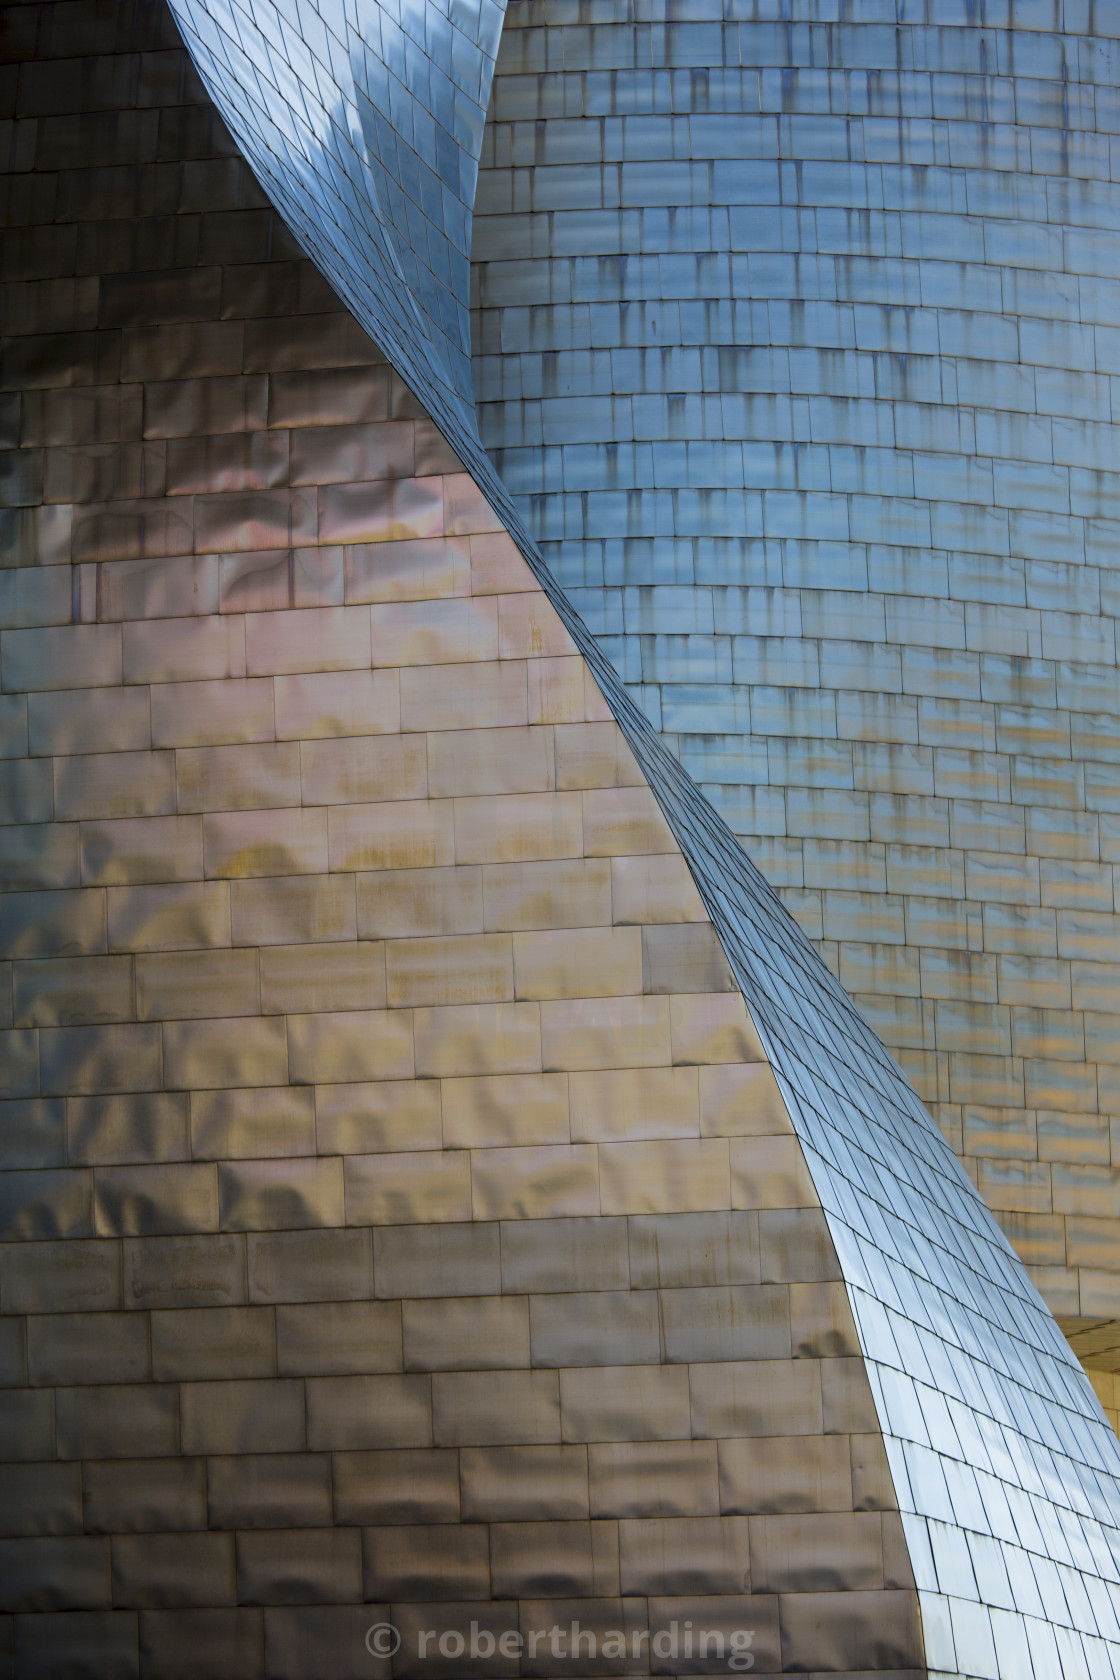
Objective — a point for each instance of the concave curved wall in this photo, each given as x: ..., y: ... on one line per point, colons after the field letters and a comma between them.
x: 796, y: 339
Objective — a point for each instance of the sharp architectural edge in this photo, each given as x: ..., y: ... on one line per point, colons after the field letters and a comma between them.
x: 1005, y: 1468
x: 804, y: 401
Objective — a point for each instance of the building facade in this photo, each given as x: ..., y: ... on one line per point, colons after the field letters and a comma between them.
x: 796, y: 338
x: 445, y: 1197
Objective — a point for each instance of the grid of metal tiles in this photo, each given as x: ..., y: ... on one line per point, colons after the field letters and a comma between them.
x: 365, y: 125
x: 988, y: 1421
x: 797, y: 343
x: 401, y: 1222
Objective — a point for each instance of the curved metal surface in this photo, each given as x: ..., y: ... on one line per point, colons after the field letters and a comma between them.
x: 365, y: 124
x: 795, y: 340
x: 1005, y: 1468
x: 402, y: 1236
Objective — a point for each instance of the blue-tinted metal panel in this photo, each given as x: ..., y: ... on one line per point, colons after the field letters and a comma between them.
x: 819, y: 330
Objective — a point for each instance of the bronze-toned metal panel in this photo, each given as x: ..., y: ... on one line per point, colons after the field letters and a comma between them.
x: 403, y: 1222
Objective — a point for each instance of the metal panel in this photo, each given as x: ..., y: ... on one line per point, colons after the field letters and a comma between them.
x: 288, y: 1271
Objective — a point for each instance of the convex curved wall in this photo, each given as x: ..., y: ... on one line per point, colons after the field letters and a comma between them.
x: 400, y: 1220
x: 797, y: 341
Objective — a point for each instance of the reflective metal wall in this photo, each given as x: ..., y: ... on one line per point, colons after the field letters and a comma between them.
x: 400, y: 1221
x: 366, y: 1095
x: 365, y: 126
x: 796, y: 339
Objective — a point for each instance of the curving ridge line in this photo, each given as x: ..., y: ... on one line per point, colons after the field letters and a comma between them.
x: 366, y: 138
